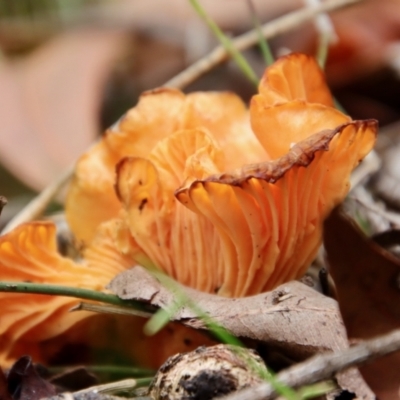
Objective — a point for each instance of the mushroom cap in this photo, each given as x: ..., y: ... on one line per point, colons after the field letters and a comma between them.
x: 222, y: 199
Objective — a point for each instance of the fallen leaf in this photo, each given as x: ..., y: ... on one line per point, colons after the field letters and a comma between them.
x: 24, y: 382
x: 50, y: 102
x: 292, y: 319
x: 283, y: 318
x: 367, y: 284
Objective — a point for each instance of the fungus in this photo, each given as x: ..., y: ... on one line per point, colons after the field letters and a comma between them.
x: 29, y: 253
x: 222, y: 199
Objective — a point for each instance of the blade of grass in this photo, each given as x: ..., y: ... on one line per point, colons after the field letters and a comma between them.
x: 160, y: 319
x: 326, y: 33
x: 316, y: 390
x: 271, y: 29
x: 324, y: 42
x: 226, y: 43
x: 68, y: 291
x: 109, y: 369
x: 262, y: 42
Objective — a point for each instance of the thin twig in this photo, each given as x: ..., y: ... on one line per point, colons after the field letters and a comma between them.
x: 323, y: 366
x: 102, y: 391
x: 114, y: 387
x: 111, y: 309
x: 242, y: 42
x: 38, y: 205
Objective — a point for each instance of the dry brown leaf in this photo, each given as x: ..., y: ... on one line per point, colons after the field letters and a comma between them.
x: 50, y: 102
x: 367, y: 283
x: 292, y: 319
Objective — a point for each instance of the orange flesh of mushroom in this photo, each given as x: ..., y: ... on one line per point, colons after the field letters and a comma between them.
x: 223, y: 199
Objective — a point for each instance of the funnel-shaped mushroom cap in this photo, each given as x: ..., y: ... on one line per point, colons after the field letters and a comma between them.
x: 200, y: 196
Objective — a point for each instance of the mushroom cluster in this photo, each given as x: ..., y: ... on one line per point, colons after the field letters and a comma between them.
x: 222, y: 198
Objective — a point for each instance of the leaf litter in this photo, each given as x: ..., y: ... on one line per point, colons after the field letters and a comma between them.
x: 367, y: 281
x: 293, y: 319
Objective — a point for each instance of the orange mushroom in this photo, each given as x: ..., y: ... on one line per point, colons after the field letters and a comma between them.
x: 222, y: 202
x: 223, y: 199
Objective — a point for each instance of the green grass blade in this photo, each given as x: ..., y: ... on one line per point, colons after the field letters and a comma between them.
x: 324, y: 41
x: 68, y: 291
x: 262, y: 42
x: 227, y: 43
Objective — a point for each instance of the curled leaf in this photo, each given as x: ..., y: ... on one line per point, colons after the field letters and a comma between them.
x: 366, y: 278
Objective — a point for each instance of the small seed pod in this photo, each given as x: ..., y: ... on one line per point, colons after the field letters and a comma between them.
x: 206, y: 373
